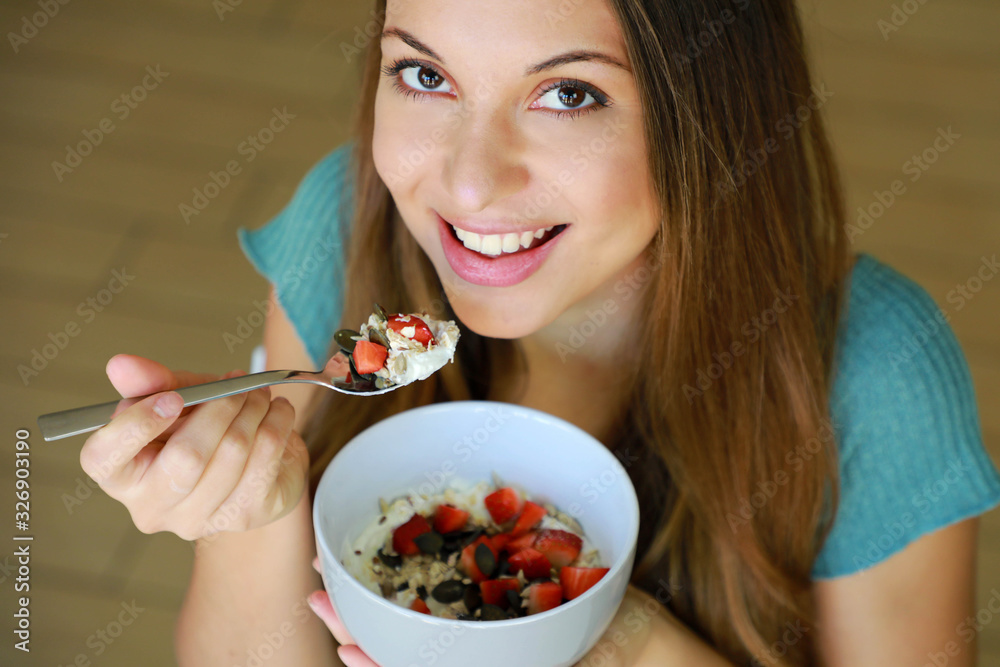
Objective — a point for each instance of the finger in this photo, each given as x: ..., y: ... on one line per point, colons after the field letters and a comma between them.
x: 205, y: 377
x: 320, y: 603
x: 225, y: 468
x: 132, y: 375
x: 184, y: 457
x: 317, y: 565
x: 352, y: 656
x: 265, y: 462
x: 108, y: 453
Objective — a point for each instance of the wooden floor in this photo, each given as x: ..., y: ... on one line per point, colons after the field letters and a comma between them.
x: 63, y: 235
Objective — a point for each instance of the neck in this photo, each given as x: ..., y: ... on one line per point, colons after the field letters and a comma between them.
x: 577, y: 366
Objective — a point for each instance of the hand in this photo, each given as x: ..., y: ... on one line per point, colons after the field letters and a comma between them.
x: 622, y: 644
x: 349, y: 653
x: 232, y: 463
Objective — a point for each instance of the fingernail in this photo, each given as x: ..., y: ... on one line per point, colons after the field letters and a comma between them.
x: 168, y: 405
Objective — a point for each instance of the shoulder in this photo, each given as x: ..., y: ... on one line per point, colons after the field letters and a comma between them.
x: 299, y: 251
x: 907, y: 428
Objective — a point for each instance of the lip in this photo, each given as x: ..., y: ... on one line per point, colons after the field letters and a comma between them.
x: 502, y: 271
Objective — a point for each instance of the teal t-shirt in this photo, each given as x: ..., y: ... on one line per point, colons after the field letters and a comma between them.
x: 903, y: 409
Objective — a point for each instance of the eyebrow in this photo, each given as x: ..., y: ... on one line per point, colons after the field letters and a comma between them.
x: 556, y: 61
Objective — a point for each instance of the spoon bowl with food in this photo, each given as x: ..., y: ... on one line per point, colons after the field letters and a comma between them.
x: 389, y: 352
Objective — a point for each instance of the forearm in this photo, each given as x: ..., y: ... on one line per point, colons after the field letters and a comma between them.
x: 247, y: 597
x: 671, y: 643
x: 646, y: 634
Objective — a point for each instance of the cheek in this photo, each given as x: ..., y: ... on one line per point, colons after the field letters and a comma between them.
x: 617, y: 202
x: 405, y: 141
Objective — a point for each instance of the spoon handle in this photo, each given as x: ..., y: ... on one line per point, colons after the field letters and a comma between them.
x: 58, y: 425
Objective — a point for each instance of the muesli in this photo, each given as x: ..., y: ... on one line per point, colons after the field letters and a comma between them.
x: 474, y: 552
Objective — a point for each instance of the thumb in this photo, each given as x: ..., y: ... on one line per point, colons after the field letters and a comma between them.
x: 132, y: 375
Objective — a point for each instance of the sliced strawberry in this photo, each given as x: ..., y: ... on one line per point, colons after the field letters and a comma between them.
x: 534, y: 563
x: 468, y: 560
x: 421, y: 606
x: 369, y: 357
x: 521, y: 542
x: 503, y: 504
x: 577, y: 580
x: 421, y: 332
x: 402, y: 536
x: 544, y: 596
x: 499, y: 541
x: 560, y: 546
x: 494, y: 591
x: 530, y: 516
x: 449, y: 518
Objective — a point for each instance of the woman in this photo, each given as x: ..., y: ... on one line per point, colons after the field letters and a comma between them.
x: 686, y: 294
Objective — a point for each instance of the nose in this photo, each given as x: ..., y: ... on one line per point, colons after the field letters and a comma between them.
x: 485, y: 162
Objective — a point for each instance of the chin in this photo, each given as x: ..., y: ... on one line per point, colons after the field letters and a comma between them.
x: 499, y: 317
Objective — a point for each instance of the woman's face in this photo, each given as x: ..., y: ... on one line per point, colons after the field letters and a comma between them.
x: 510, y: 137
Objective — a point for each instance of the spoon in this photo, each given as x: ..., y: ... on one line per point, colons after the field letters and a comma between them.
x: 338, y: 374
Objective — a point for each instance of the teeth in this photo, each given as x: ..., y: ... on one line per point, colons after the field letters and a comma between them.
x: 473, y: 241
x: 496, y: 244
x: 511, y: 242
x: 492, y: 245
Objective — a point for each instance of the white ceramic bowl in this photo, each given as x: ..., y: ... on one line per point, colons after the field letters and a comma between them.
x: 422, y: 450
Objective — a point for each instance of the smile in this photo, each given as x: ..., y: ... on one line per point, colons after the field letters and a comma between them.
x: 497, y: 260
x: 495, y: 245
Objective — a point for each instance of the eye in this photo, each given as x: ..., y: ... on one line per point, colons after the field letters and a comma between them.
x: 570, y: 97
x: 417, y: 77
x: 425, y: 77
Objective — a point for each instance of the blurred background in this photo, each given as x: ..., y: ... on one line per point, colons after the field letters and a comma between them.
x: 168, y: 91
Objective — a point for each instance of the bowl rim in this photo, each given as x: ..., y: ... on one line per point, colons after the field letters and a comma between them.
x: 627, y: 555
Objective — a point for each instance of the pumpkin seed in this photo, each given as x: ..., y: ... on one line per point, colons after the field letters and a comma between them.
x: 450, y: 590
x: 491, y: 612
x: 394, y: 562
x: 380, y: 313
x: 471, y: 536
x: 514, y: 600
x: 466, y: 617
x: 375, y: 336
x: 485, y: 560
x: 429, y: 542
x: 422, y: 592
x: 472, y: 597
x: 403, y: 586
x: 503, y: 567
x: 346, y: 339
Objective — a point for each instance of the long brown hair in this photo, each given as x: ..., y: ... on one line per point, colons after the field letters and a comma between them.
x: 739, y: 329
